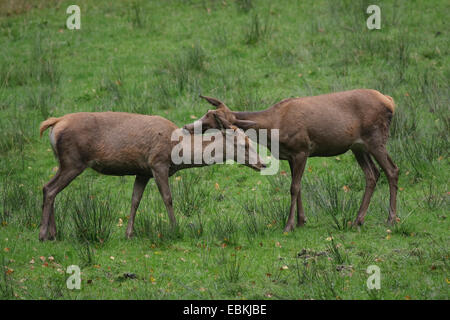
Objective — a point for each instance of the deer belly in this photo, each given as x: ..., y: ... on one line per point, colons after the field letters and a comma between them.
x: 331, y: 147
x: 117, y: 169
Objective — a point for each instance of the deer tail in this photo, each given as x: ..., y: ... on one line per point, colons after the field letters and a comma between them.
x: 50, y: 122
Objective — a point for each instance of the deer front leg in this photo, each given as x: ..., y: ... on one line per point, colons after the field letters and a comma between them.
x: 297, y: 167
x: 139, y: 186
x: 161, y: 176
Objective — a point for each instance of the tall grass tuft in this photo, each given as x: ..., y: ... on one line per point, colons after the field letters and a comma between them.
x: 257, y: 30
x: 151, y: 221
x: 244, y: 5
x: 44, y: 67
x: 21, y: 206
x: 14, y: 135
x: 327, y: 194
x: 93, y: 218
x: 232, y: 270
x: 6, y: 286
x: 40, y: 99
x: 136, y: 16
x: 252, y: 212
x: 224, y: 229
x: 86, y: 252
x: 189, y: 193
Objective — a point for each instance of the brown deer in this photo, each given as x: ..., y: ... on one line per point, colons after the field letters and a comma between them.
x: 322, y: 126
x: 118, y: 143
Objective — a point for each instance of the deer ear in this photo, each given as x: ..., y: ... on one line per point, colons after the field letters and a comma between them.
x: 244, y: 124
x: 222, y: 122
x: 215, y: 102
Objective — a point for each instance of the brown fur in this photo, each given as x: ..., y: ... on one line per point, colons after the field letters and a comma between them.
x: 324, y: 125
x: 46, y: 124
x: 116, y: 143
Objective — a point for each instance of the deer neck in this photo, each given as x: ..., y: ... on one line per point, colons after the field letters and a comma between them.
x: 265, y: 119
x: 198, y: 145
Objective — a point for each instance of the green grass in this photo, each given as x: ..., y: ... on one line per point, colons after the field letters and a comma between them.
x: 155, y: 57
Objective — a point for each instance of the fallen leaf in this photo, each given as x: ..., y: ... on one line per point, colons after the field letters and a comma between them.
x: 216, y: 186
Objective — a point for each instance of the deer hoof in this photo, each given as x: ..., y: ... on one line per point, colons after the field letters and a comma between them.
x: 288, y: 228
x: 358, y: 222
x: 391, y: 221
x: 129, y: 235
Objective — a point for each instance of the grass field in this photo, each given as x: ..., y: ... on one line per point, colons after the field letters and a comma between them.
x: 156, y: 57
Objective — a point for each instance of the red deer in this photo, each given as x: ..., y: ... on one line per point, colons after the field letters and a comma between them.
x: 323, y: 126
x: 118, y: 143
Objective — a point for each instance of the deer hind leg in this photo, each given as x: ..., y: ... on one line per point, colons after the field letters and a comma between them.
x: 139, y: 186
x: 298, y: 166
x: 301, y: 218
x: 61, y: 180
x: 391, y: 170
x: 371, y: 174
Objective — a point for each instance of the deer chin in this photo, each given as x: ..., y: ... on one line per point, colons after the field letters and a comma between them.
x: 189, y: 128
x: 257, y: 167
